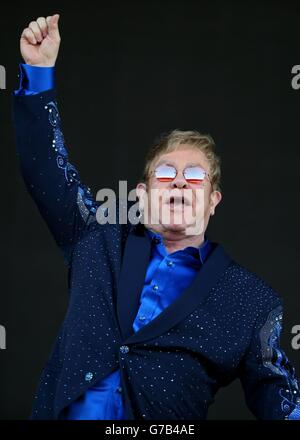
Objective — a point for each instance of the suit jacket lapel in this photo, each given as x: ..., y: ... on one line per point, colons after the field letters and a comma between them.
x: 132, y: 276
x: 135, y: 262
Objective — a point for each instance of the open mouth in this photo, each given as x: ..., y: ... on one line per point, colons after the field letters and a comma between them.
x: 178, y: 201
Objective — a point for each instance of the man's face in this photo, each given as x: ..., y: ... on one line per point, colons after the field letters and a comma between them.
x: 179, y: 205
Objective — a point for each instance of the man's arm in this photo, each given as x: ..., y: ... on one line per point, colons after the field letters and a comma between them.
x: 271, y: 388
x: 65, y: 203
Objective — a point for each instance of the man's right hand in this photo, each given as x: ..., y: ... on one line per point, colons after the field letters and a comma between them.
x: 39, y: 42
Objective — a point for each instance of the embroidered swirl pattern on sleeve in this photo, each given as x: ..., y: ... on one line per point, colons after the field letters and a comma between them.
x: 86, y: 204
x: 276, y: 360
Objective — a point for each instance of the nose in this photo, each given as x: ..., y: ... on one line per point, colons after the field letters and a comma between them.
x: 179, y: 181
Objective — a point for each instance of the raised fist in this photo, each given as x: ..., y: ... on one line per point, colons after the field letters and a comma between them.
x: 39, y: 42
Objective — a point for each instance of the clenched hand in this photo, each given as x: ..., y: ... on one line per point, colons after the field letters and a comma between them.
x: 39, y: 42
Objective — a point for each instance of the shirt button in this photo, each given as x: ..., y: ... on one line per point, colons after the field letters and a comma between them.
x: 124, y: 349
x: 156, y: 240
x: 119, y: 389
x: 170, y: 263
x: 155, y: 287
x: 89, y: 376
x: 142, y: 317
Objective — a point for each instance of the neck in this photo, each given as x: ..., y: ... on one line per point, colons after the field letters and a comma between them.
x: 175, y: 240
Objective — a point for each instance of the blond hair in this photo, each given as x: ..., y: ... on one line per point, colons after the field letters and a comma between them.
x: 170, y: 141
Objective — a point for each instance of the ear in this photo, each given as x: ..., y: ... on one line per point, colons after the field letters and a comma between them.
x: 215, y: 198
x: 141, y: 190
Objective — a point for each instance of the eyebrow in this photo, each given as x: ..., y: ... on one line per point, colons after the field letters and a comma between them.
x: 189, y: 164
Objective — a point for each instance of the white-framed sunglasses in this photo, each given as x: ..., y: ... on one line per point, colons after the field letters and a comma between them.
x: 192, y: 174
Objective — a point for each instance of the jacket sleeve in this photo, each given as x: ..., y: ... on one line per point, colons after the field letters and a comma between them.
x: 267, y: 376
x: 65, y: 203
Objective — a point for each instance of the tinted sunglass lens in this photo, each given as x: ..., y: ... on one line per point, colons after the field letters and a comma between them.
x: 165, y: 173
x: 194, y: 174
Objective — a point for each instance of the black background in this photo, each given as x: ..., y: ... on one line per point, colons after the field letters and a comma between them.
x: 127, y: 71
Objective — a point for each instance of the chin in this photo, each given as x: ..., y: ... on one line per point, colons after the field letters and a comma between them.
x: 174, y: 227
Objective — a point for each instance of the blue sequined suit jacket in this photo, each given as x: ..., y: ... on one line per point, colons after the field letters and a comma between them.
x: 225, y: 325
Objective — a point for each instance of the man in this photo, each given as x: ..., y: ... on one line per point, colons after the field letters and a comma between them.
x: 159, y: 316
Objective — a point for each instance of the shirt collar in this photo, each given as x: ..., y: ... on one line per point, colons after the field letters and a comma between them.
x: 201, y: 252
